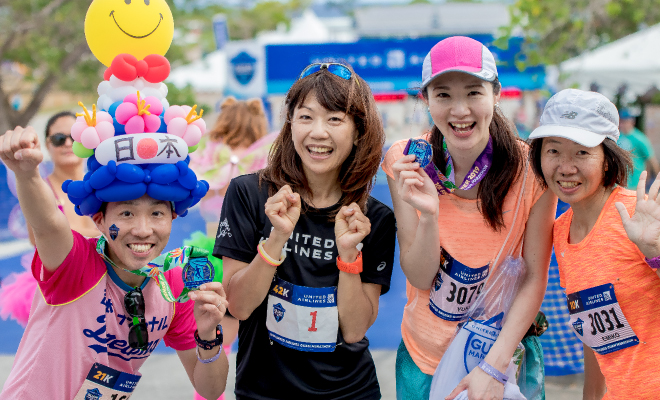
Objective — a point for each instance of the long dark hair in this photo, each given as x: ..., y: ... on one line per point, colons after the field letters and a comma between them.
x: 351, y: 96
x: 508, y: 161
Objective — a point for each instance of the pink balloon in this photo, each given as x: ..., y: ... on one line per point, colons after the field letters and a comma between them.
x: 135, y: 125
x: 90, y: 138
x: 151, y: 122
x: 131, y: 98
x: 125, y: 111
x: 156, y: 106
x: 201, y: 125
x: 174, y: 112
x: 105, y: 130
x: 81, y: 119
x: 103, y: 116
x: 177, y: 126
x: 193, y: 135
x: 77, y: 129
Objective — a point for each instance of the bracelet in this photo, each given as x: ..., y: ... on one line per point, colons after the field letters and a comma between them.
x: 352, y: 268
x: 493, y: 372
x: 653, y: 262
x: 208, y: 360
x: 269, y: 259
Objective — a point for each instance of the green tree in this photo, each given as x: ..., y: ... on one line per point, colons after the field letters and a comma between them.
x: 556, y: 30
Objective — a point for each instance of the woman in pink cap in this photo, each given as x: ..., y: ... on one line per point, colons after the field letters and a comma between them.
x: 480, y: 202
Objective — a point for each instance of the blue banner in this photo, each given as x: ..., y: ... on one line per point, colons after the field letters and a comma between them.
x: 387, y: 64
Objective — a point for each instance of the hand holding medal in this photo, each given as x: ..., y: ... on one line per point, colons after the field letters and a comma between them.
x: 413, y: 183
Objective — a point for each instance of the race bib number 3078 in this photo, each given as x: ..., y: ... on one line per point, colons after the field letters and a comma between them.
x: 455, y: 288
x: 598, y: 321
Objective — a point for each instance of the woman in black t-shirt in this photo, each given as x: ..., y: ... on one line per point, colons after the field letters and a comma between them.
x: 306, y: 251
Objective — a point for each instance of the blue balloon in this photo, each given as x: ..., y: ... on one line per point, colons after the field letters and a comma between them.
x: 181, y: 206
x: 113, y: 108
x: 90, y: 205
x: 76, y: 189
x: 121, y: 191
x: 189, y: 180
x: 102, y: 177
x: 163, y: 126
x: 172, y: 192
x: 119, y: 128
x: 92, y: 164
x: 164, y: 174
x: 200, y: 190
x: 130, y: 173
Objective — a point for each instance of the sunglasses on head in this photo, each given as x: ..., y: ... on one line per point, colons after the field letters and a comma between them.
x: 58, y: 139
x: 138, y: 334
x: 337, y: 69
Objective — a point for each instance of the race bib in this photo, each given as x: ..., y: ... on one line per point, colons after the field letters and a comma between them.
x: 107, y: 383
x: 303, y: 318
x: 455, y: 288
x: 598, y: 320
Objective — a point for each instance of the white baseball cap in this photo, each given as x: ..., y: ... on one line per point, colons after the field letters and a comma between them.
x: 587, y: 118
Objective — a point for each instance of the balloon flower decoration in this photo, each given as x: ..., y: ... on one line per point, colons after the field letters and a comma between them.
x: 135, y: 142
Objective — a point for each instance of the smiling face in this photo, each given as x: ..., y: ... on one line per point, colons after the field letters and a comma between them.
x: 144, y: 229
x: 462, y: 107
x: 322, y: 138
x: 573, y: 172
x: 136, y: 27
x: 62, y: 156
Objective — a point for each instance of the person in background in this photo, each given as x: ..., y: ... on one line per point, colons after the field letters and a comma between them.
x: 17, y: 291
x: 608, y: 261
x: 639, y: 146
x: 238, y: 144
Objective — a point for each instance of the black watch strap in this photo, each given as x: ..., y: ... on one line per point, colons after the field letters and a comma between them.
x: 210, y: 344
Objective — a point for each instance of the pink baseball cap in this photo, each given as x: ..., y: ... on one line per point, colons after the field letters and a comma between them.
x: 459, y: 53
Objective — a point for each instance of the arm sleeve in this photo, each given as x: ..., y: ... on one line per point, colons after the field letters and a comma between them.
x: 378, y: 251
x: 238, y: 235
x: 80, y: 271
x: 181, y: 333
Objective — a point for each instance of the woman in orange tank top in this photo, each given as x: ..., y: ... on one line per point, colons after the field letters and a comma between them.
x: 607, y: 259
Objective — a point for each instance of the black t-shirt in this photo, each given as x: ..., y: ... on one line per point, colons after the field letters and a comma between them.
x: 265, y: 369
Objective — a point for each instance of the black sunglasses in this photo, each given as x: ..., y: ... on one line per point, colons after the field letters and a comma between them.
x: 58, y: 139
x: 138, y: 335
x: 337, y: 69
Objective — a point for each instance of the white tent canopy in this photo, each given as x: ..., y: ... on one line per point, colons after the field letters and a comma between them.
x: 633, y: 60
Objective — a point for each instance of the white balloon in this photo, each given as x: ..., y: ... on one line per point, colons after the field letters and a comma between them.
x: 126, y: 149
x: 116, y: 82
x: 104, y: 88
x: 118, y: 94
x: 138, y: 84
x: 164, y: 89
x: 165, y: 103
x: 150, y: 92
x: 104, y: 102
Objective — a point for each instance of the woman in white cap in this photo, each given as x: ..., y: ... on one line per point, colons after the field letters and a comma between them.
x: 480, y: 202
x: 607, y: 260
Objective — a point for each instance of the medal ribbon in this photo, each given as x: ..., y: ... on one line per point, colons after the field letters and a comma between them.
x: 445, y: 183
x: 156, y: 269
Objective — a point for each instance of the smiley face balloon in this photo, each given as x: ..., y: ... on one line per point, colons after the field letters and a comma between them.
x: 136, y: 27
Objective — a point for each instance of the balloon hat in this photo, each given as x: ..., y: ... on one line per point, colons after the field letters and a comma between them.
x: 136, y: 142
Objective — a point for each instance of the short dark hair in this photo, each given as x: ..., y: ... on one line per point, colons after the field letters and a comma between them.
x: 57, y: 116
x: 617, y: 160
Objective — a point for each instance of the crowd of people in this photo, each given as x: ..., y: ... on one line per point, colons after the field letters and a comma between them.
x: 306, y: 252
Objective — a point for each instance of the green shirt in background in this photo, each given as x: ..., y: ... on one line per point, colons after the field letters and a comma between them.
x: 639, y: 146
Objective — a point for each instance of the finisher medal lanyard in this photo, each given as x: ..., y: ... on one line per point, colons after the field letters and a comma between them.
x: 192, y: 259
x: 445, y: 183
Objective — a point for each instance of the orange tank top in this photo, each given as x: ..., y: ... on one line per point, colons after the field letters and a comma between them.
x: 607, y: 258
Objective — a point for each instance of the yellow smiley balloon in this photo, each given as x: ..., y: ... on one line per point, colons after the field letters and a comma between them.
x: 136, y: 27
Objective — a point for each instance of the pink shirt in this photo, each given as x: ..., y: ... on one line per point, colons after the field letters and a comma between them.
x: 78, y: 319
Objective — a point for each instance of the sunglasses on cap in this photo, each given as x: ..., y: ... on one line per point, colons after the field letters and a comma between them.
x: 337, y: 69
x: 58, y: 139
x: 138, y: 334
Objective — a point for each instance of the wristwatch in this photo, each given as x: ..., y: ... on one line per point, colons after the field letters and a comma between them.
x: 210, y: 344
x: 352, y: 268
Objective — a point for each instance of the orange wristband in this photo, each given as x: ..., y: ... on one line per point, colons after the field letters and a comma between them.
x: 352, y: 268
